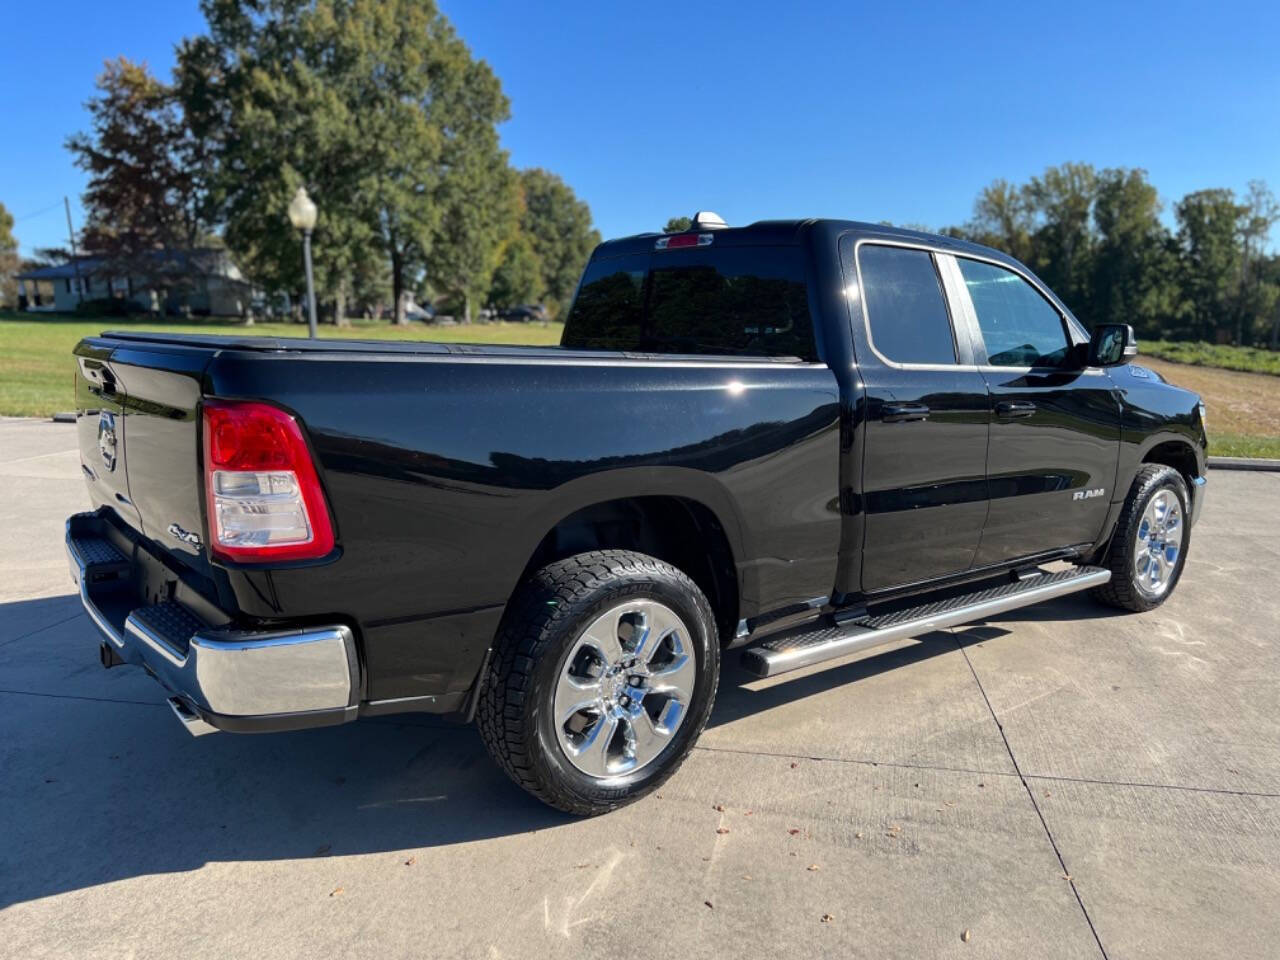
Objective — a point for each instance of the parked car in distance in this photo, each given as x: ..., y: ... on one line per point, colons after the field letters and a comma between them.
x: 802, y: 438
x: 524, y: 313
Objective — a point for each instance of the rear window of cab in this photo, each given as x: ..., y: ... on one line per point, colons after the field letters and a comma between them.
x: 743, y: 301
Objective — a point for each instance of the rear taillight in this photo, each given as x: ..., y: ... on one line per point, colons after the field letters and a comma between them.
x: 265, y: 501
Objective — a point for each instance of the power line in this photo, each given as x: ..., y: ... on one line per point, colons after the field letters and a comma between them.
x: 52, y: 206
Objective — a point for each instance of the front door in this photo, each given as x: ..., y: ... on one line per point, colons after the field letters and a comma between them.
x: 1055, y: 429
x: 926, y: 415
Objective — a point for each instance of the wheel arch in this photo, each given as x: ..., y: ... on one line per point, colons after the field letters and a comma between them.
x: 681, y: 530
x: 1178, y: 453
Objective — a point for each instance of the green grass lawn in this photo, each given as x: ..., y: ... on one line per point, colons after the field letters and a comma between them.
x: 36, y: 368
x: 35, y: 355
x: 1222, y: 356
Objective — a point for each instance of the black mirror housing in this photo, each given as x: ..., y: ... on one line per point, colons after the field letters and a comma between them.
x: 1112, y: 344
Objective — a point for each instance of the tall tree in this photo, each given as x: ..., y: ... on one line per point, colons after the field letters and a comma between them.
x: 558, y: 225
x: 8, y: 260
x: 1210, y: 258
x: 146, y: 189
x: 518, y: 278
x: 378, y: 107
x: 1002, y: 218
x: 1063, y: 243
x: 1135, y: 267
x: 1255, y: 295
x: 677, y: 225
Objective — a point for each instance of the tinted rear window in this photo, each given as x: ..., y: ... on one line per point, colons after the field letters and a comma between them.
x: 749, y: 301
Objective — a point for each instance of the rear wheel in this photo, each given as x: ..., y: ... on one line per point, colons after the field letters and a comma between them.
x: 603, y: 675
x: 1149, y: 546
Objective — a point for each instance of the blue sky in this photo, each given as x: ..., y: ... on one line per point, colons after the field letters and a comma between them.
x: 881, y: 111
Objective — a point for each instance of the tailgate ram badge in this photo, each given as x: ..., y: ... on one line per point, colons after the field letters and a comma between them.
x: 107, y: 439
x: 186, y: 536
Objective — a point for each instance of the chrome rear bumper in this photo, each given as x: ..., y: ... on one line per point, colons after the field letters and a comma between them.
x: 219, y: 677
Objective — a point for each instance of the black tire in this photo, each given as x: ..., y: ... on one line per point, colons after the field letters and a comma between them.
x: 542, y: 624
x: 1123, y: 590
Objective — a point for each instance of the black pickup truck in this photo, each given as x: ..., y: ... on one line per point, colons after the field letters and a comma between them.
x: 804, y: 438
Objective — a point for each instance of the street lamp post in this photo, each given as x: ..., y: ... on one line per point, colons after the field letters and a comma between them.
x: 302, y: 214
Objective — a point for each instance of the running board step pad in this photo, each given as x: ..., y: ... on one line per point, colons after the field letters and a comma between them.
x: 783, y: 654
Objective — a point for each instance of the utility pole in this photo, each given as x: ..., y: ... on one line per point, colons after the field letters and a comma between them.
x: 75, y: 257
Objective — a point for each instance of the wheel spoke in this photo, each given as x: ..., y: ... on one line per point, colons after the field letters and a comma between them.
x: 645, y: 739
x: 592, y: 754
x: 659, y: 623
x: 574, y: 695
x: 602, y: 636
x: 674, y: 677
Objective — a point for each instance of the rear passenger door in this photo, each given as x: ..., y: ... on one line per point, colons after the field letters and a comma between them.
x: 924, y: 488
x: 1055, y: 431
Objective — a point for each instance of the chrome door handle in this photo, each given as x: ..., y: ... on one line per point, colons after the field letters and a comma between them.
x: 901, y: 412
x: 1015, y: 409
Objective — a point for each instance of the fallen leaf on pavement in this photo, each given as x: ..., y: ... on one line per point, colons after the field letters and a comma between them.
x: 719, y: 807
x: 793, y: 831
x: 411, y: 861
x: 966, y: 935
x: 337, y: 892
x: 813, y: 867
x: 708, y: 903
x: 827, y: 918
x: 722, y: 829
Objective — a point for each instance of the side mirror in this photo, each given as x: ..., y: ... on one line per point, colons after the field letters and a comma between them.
x: 1112, y: 344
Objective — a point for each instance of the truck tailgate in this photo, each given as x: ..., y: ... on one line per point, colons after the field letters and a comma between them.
x: 137, y: 415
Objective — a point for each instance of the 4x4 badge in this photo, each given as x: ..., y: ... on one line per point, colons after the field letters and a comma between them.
x: 107, y: 439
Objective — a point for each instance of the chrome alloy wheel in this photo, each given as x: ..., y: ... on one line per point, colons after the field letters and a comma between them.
x: 625, y: 688
x: 1158, y: 543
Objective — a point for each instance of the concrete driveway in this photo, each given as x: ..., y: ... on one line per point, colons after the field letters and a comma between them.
x: 1059, y: 782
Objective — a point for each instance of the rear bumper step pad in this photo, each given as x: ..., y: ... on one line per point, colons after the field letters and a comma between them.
x: 787, y: 653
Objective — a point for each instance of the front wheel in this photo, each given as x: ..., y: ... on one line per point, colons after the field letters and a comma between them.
x: 603, y: 675
x: 1149, y: 546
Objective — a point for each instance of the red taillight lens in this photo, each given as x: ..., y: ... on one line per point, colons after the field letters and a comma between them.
x: 264, y: 497
x: 679, y: 240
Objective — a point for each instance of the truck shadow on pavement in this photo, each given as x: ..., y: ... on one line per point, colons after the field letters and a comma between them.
x: 100, y: 784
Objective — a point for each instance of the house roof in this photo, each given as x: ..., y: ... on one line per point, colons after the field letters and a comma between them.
x: 202, y: 260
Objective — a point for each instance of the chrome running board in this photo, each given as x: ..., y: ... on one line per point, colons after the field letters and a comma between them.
x: 787, y: 653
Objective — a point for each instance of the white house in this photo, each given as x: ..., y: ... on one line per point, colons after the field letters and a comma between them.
x: 203, y: 281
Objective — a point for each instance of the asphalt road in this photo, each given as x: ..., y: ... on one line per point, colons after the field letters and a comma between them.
x: 1059, y: 782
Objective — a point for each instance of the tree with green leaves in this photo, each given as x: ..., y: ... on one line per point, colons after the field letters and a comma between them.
x: 677, y: 225
x: 1210, y: 258
x: 559, y: 228
x: 1135, y: 263
x: 1256, y: 295
x: 146, y: 191
x: 8, y: 260
x: 518, y: 278
x: 1063, y: 244
x: 1003, y: 218
x: 378, y: 108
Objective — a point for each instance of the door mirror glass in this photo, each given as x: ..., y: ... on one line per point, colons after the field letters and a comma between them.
x: 1111, y: 344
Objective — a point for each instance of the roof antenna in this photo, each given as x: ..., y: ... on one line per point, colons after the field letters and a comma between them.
x: 706, y: 220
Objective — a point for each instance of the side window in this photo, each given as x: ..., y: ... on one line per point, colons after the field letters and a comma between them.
x: 905, y: 309
x: 1019, y: 326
